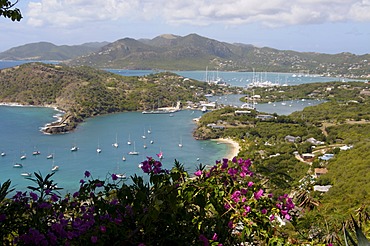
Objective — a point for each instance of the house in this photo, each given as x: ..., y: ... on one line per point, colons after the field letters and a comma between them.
x: 320, y: 171
x: 309, y: 157
x: 239, y: 112
x: 321, y: 188
x: 214, y: 126
x: 346, y: 147
x: 292, y: 139
x: 264, y: 117
x: 314, y: 141
x: 326, y: 157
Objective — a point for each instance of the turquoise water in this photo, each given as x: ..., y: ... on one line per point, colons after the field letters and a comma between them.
x: 19, y: 131
x: 20, y: 134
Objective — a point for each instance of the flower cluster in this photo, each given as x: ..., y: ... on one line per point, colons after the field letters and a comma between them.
x: 151, y: 165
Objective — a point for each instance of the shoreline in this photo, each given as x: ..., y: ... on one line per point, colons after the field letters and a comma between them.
x: 234, y: 147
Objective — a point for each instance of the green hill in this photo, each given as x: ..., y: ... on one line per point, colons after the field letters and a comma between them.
x: 85, y: 92
x: 49, y: 51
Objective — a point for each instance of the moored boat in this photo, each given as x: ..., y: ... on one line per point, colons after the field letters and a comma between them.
x: 55, y: 168
x: 26, y: 174
x: 18, y: 165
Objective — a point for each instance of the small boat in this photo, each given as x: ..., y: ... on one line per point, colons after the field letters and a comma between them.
x: 180, y: 144
x: 120, y: 175
x: 26, y: 174
x: 36, y: 152
x: 74, y: 148
x: 123, y: 158
x: 129, y: 140
x: 55, y: 168
x: 3, y: 154
x: 134, y: 152
x: 98, y: 149
x: 50, y: 156
x: 151, y: 142
x: 18, y: 165
x: 23, y: 157
x: 115, y: 145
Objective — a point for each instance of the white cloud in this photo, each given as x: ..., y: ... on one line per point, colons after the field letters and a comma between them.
x: 197, y: 12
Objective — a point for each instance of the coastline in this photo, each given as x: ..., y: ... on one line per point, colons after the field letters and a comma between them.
x: 58, y: 116
x: 234, y: 146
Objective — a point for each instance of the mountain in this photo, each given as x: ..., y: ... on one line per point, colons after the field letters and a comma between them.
x: 194, y: 52
x: 49, y: 51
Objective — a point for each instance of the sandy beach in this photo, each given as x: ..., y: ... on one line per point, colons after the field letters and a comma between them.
x: 234, y: 146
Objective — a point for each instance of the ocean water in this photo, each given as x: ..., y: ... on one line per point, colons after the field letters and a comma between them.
x: 20, y: 135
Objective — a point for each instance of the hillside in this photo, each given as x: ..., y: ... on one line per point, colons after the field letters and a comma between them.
x: 85, y: 92
x: 194, y: 52
x: 49, y: 51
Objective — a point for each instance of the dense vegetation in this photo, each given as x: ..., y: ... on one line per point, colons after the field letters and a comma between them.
x: 341, y: 121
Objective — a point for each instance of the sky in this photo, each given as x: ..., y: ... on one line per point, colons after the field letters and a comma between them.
x: 325, y: 26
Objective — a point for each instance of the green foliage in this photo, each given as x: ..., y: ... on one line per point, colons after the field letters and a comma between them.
x: 7, y: 10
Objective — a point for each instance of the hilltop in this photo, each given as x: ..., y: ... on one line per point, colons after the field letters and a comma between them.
x: 194, y: 52
x: 49, y: 51
x: 84, y: 92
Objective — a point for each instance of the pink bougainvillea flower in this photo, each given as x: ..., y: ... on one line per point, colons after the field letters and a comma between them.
x: 198, y: 173
x: 258, y: 194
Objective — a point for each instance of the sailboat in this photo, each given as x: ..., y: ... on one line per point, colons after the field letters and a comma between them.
x: 98, y: 149
x: 129, y: 140
x: 120, y: 175
x: 144, y: 136
x: 50, y: 156
x: 26, y: 174
x: 54, y: 167
x: 180, y: 144
x: 115, y: 145
x: 133, y: 152
x: 18, y: 165
x: 3, y: 154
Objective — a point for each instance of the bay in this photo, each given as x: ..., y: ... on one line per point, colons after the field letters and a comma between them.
x: 20, y: 135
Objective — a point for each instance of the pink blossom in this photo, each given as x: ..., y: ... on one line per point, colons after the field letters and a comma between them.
x: 198, y: 173
x: 230, y: 224
x: 250, y: 184
x: 258, y: 194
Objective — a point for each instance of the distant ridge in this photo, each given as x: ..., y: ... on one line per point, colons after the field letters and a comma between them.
x: 49, y: 51
x: 194, y: 52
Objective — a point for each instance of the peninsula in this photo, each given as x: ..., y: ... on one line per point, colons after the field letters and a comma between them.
x: 83, y: 92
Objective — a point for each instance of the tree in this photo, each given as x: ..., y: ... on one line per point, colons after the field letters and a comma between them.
x: 7, y: 10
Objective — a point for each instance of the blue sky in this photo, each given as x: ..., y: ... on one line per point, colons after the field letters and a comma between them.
x: 326, y: 26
